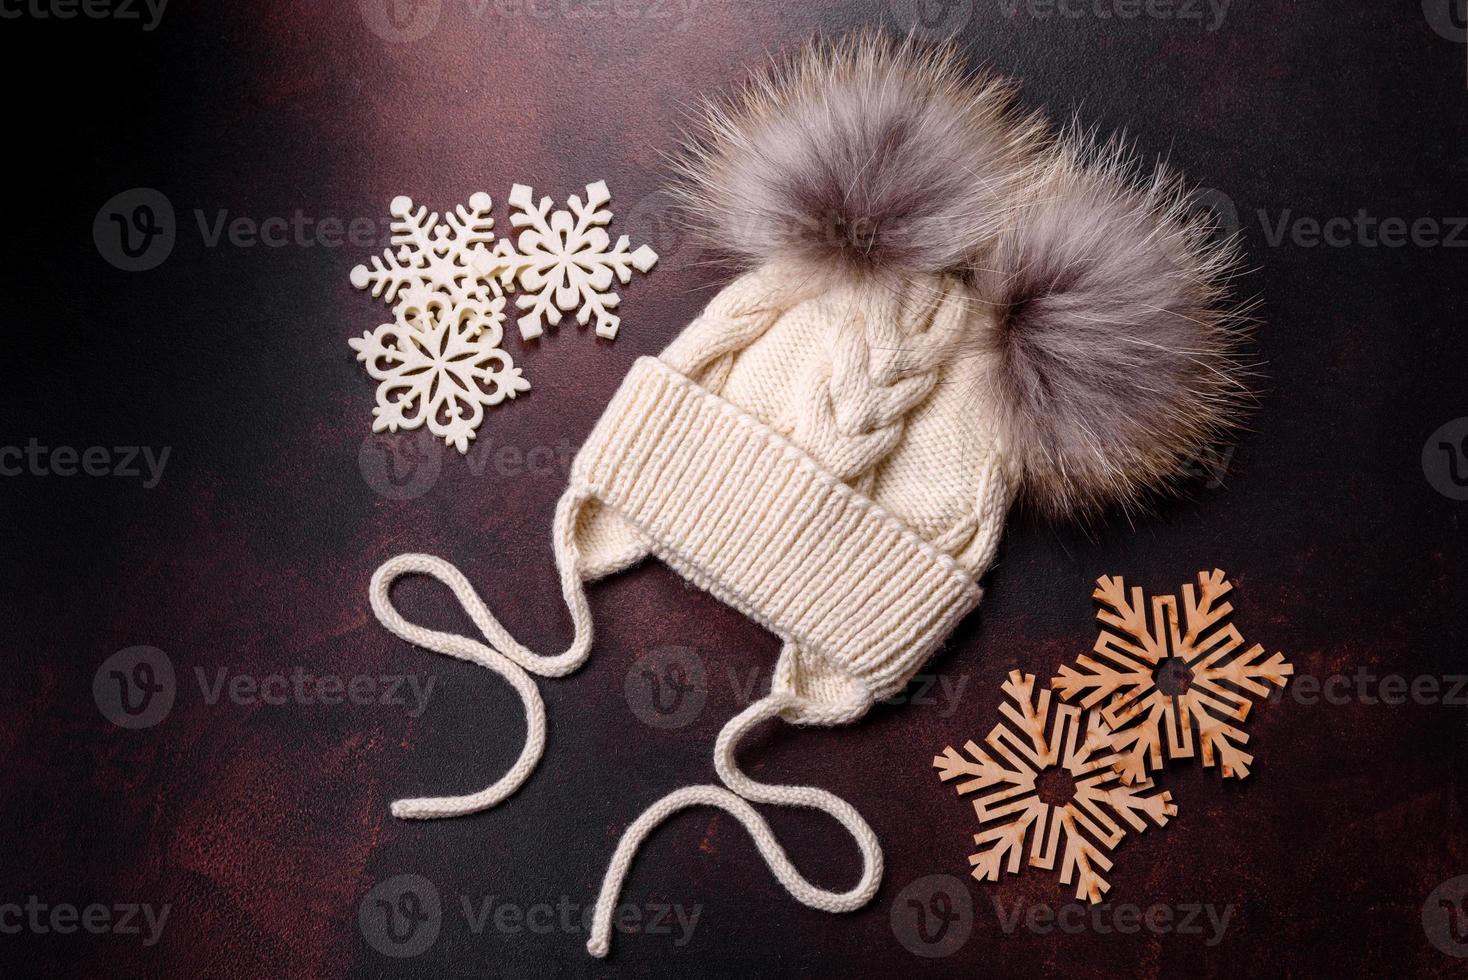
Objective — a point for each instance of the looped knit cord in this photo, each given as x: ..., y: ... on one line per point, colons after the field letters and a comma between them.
x: 735, y: 800
x: 505, y: 656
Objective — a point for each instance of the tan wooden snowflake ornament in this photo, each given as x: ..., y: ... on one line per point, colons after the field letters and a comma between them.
x: 1079, y: 830
x: 1158, y: 679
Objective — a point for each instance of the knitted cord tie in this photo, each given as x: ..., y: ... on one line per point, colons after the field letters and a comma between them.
x: 505, y: 656
x: 735, y: 800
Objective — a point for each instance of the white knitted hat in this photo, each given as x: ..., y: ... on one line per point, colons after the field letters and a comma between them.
x: 947, y: 309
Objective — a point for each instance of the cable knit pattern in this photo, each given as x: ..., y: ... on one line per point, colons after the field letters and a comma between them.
x: 852, y: 409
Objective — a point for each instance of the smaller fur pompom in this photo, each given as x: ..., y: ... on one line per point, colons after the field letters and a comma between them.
x: 1115, y: 355
x: 864, y: 157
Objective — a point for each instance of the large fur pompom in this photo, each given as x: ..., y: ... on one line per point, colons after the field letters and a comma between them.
x: 863, y: 157
x: 1115, y: 355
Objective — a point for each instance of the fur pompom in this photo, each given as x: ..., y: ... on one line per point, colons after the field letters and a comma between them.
x: 864, y: 157
x: 1115, y: 355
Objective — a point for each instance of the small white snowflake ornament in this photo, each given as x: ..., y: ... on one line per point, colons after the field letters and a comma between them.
x: 433, y: 256
x: 440, y: 364
x: 564, y: 261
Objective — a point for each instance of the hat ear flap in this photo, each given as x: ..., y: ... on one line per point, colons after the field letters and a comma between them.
x: 1114, y: 355
x: 607, y: 542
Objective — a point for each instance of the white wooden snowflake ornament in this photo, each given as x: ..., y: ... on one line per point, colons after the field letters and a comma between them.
x: 564, y: 260
x: 440, y: 364
x: 433, y: 256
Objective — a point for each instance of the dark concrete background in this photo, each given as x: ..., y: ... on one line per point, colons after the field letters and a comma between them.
x: 264, y: 827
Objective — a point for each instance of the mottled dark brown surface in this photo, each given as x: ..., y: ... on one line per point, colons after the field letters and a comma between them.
x: 264, y: 827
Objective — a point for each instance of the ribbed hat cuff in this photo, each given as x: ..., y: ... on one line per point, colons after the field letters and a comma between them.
x: 860, y: 599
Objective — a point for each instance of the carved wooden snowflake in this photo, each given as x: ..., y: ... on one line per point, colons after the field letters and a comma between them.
x: 1154, y: 680
x: 433, y: 257
x: 440, y: 365
x: 565, y: 261
x: 1081, y: 830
